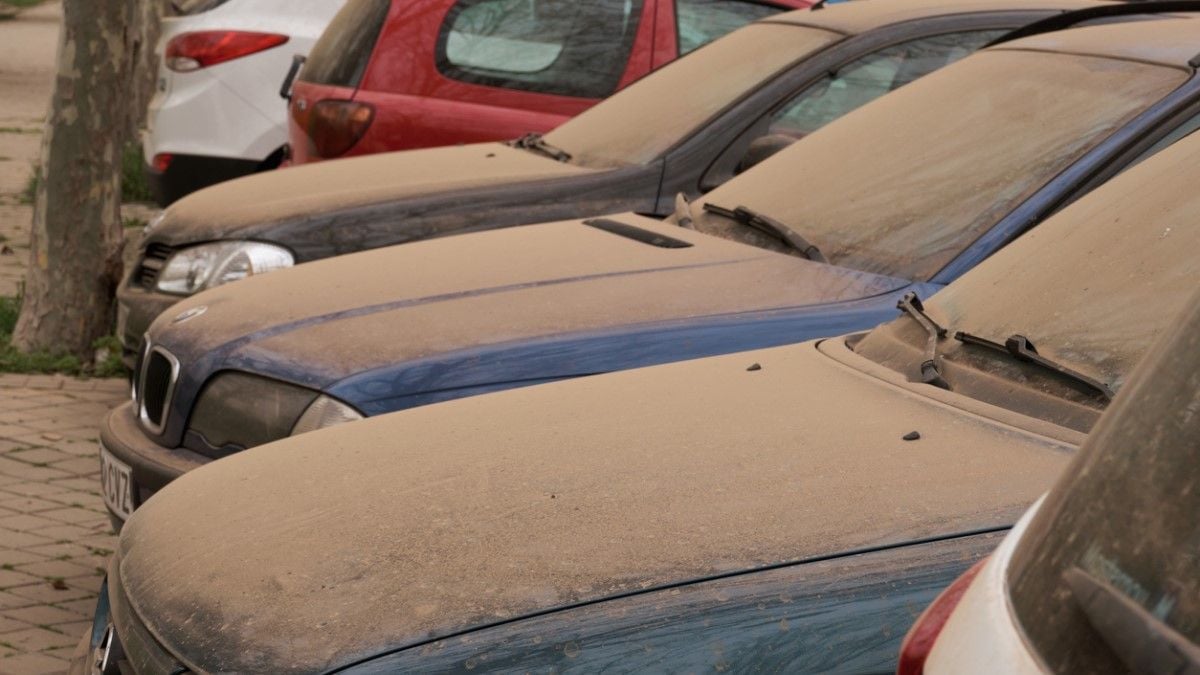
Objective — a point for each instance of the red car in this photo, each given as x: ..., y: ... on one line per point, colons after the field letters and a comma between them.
x: 401, y: 74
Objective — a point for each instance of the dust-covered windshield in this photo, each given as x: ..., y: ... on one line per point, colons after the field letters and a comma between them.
x: 1091, y: 288
x: 636, y: 125
x: 901, y: 186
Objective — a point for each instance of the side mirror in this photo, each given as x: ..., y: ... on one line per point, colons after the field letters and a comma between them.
x: 763, y: 147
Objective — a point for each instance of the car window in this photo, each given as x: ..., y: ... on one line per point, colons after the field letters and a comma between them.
x: 701, y: 84
x: 699, y: 22
x: 872, y: 76
x: 548, y: 46
x: 1170, y: 139
x: 902, y: 186
x: 1117, y: 541
x: 340, y: 57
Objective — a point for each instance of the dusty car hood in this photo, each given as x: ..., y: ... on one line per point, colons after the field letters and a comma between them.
x: 261, y: 200
x: 307, y: 553
x: 346, y: 315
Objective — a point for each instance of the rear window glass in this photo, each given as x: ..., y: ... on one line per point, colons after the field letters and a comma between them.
x: 547, y: 46
x: 340, y: 57
x: 702, y: 21
x: 188, y: 7
x: 1123, y: 527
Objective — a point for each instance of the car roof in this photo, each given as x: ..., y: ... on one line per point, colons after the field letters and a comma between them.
x: 861, y: 16
x: 1169, y: 42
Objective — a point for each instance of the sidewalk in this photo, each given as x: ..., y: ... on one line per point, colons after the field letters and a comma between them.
x: 55, y: 538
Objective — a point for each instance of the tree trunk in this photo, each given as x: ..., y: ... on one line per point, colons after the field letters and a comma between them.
x: 76, y: 239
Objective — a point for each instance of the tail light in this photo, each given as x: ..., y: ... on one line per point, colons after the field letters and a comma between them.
x: 162, y: 162
x: 192, y: 51
x: 919, y: 641
x: 335, y: 126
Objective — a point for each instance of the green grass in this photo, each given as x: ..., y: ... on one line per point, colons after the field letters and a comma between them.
x: 29, y: 194
x: 134, y: 185
x: 15, y: 361
x: 20, y: 3
x: 18, y: 130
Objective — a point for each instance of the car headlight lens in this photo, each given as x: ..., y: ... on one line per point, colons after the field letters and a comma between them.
x: 325, y: 412
x: 197, y: 268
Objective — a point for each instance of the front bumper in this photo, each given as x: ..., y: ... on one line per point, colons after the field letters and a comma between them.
x: 152, y: 466
x: 138, y: 308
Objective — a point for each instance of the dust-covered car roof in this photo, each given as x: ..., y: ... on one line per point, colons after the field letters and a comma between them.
x: 862, y: 16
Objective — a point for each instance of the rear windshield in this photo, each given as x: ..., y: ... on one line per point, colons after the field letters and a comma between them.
x: 672, y: 102
x: 340, y: 57
x: 547, y: 46
x: 1124, y: 527
x: 901, y: 186
x: 188, y: 7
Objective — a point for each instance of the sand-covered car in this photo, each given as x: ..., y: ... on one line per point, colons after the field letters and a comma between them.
x: 787, y: 509
x: 685, y: 128
x: 915, y: 189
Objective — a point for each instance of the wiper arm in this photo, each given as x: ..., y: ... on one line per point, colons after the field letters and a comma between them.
x: 1020, y: 348
x: 537, y: 143
x: 931, y: 373
x: 1143, y: 642
x: 771, y: 227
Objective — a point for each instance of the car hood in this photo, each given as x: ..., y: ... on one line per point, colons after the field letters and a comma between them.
x: 311, y: 552
x: 255, y: 202
x: 324, y: 321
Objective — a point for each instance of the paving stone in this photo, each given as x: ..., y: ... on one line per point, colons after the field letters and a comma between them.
x: 39, y: 456
x: 55, y: 569
x: 27, y: 522
x: 33, y: 473
x: 42, y: 615
x: 9, y: 624
x: 21, y: 540
x: 46, y: 594
x: 37, y: 639
x: 71, y: 516
x: 13, y: 579
x: 13, y: 601
x: 14, y: 557
x: 29, y: 504
x: 32, y: 664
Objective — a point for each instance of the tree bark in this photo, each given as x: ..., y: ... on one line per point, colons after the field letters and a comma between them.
x: 76, y: 239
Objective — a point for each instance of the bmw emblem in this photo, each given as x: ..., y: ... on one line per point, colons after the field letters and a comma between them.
x: 190, y: 314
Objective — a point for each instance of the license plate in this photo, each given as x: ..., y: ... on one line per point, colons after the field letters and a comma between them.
x: 116, y: 483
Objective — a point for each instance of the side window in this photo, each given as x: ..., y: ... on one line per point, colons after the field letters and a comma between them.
x: 1177, y: 133
x: 699, y: 22
x: 548, y: 46
x: 872, y: 76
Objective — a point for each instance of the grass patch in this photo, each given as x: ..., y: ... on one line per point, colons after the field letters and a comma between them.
x: 135, y: 186
x: 18, y: 130
x: 14, y: 361
x: 29, y: 194
x: 20, y: 3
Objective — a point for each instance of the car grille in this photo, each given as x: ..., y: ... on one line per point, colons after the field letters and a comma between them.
x: 153, y: 261
x: 156, y: 384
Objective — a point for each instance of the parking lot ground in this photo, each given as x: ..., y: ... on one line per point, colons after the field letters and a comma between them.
x: 55, y: 537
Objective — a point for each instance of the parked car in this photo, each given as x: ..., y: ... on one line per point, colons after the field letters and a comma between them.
x: 398, y: 74
x: 1101, y: 575
x: 915, y: 189
x: 784, y: 510
x: 216, y: 114
x: 768, y: 83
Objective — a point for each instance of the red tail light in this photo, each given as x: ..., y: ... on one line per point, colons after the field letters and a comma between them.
x: 919, y: 641
x: 335, y: 126
x: 192, y: 51
x: 162, y: 162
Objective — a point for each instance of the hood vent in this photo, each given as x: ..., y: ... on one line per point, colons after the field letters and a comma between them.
x: 636, y: 233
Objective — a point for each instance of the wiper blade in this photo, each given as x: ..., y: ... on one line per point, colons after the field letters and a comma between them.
x: 1020, y: 348
x: 536, y: 143
x: 769, y: 226
x: 931, y: 373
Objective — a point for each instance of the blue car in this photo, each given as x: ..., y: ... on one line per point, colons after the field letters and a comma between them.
x: 902, y: 196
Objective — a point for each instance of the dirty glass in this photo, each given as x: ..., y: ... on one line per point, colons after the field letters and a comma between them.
x: 1092, y: 288
x: 902, y: 186
x: 872, y: 76
x: 547, y: 46
x: 1126, y: 517
x: 699, y: 22
x: 340, y: 57
x: 684, y: 94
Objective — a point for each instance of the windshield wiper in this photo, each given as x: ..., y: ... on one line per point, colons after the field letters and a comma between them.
x: 1021, y: 349
x: 931, y: 373
x: 536, y: 143
x: 1143, y: 642
x: 771, y: 227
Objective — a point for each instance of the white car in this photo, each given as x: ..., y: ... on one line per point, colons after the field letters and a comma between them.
x: 217, y: 112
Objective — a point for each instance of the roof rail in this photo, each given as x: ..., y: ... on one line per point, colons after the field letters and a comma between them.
x: 1074, y: 18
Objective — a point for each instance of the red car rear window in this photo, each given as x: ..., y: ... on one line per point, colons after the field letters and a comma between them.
x: 340, y: 57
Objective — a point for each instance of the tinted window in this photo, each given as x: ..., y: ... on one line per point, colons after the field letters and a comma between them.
x: 699, y: 22
x: 340, y: 57
x: 702, y: 84
x: 872, y: 76
x: 188, y: 7
x: 1123, y: 525
x: 547, y: 46
x: 901, y: 186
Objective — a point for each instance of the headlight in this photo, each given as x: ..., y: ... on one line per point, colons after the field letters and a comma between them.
x: 324, y: 412
x: 194, y: 269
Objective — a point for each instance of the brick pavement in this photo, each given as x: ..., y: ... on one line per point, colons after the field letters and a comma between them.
x: 55, y: 538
